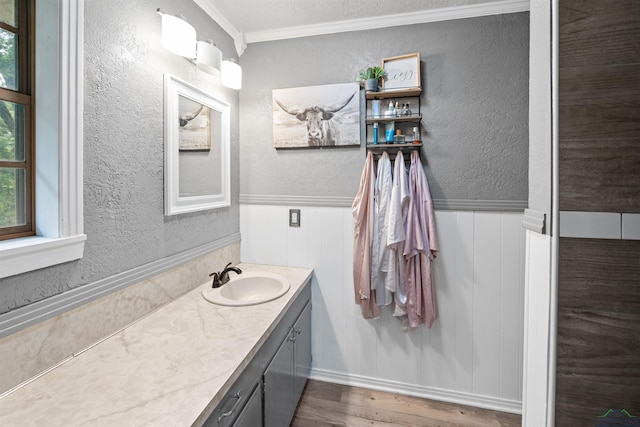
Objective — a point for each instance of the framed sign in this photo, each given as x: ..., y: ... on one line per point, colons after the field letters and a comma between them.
x: 402, y: 72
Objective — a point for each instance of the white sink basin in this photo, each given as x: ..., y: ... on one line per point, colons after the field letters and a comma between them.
x: 248, y: 289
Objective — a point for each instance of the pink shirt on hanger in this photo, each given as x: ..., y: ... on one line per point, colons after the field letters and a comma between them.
x: 362, y: 211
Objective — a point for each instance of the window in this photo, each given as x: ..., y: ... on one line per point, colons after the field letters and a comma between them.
x: 16, y: 136
x: 57, y: 148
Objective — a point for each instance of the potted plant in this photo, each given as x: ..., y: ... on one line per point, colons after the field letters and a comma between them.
x: 371, y: 77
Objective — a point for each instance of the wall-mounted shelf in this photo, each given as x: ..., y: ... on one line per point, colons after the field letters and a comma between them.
x: 405, y: 124
x: 412, y: 118
x: 394, y: 93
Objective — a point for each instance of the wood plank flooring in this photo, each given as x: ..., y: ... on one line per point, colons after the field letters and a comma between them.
x: 325, y: 404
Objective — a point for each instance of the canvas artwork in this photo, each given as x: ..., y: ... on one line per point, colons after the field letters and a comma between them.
x: 317, y: 116
x: 195, y: 125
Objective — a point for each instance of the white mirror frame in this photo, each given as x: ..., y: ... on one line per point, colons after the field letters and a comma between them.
x: 173, y: 203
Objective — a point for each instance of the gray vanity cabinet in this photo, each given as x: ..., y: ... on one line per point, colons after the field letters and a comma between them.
x: 278, y: 386
x: 240, y: 403
x: 302, y: 351
x: 286, y: 375
x: 251, y: 415
x: 267, y: 392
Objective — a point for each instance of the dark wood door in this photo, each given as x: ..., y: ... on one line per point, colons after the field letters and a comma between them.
x: 598, y: 347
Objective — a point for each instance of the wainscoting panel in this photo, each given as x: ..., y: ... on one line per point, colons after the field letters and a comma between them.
x: 536, y: 409
x: 473, y: 353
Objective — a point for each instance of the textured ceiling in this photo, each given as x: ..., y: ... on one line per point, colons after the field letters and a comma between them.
x: 251, y: 16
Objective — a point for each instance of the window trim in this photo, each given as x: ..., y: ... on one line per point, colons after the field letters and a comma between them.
x: 61, y: 240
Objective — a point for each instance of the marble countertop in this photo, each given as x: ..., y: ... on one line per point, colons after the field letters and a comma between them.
x: 163, y: 370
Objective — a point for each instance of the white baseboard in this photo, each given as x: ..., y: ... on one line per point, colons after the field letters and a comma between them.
x: 451, y: 396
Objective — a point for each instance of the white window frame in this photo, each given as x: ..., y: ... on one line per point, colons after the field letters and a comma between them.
x: 59, y: 152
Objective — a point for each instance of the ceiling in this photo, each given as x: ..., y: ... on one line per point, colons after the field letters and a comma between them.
x: 250, y: 16
x: 250, y: 21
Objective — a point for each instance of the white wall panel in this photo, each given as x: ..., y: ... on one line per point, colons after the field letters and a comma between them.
x: 537, y: 324
x: 461, y: 279
x: 330, y: 272
x: 486, y: 304
x: 438, y: 343
x: 511, y: 305
x: 472, y: 354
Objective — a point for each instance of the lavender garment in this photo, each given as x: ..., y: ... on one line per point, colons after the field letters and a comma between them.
x: 420, y: 248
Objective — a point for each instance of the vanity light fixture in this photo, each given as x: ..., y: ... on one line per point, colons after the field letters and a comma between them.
x: 209, y: 57
x: 179, y: 37
x: 231, y: 74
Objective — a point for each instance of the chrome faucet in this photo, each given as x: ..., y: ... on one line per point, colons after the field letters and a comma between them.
x: 222, y: 277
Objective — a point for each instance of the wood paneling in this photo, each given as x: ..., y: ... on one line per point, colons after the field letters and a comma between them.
x: 474, y: 349
x: 599, y: 105
x: 598, y: 32
x: 600, y: 175
x: 325, y: 404
x: 598, y: 347
x: 599, y: 84
x: 598, y: 365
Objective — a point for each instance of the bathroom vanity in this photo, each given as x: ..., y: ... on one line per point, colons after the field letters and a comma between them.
x: 267, y: 392
x: 190, y: 362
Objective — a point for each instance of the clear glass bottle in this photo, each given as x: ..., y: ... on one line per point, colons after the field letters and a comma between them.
x: 416, y: 135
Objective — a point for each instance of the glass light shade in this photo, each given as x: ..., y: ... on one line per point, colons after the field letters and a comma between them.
x: 178, y: 36
x: 209, y: 58
x: 231, y: 75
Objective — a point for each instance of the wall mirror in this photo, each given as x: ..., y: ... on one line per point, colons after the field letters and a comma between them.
x: 196, y: 149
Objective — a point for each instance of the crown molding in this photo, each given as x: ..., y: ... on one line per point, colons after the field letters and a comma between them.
x: 220, y: 19
x: 241, y: 40
x: 410, y: 18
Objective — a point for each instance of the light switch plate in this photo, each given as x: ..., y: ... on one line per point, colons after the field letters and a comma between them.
x: 294, y: 217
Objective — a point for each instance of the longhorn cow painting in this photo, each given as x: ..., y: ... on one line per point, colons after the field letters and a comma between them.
x: 316, y: 116
x: 195, y: 125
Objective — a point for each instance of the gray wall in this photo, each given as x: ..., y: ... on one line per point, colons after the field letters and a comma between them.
x: 123, y: 149
x: 474, y: 103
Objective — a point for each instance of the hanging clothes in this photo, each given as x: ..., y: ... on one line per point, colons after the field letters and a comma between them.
x: 380, y: 280
x: 396, y: 220
x: 421, y: 246
x: 395, y: 241
x: 362, y: 211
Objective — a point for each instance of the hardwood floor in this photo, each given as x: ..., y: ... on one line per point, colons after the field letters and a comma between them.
x: 325, y: 404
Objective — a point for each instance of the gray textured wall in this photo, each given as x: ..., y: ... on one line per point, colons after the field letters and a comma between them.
x: 474, y: 103
x: 123, y: 149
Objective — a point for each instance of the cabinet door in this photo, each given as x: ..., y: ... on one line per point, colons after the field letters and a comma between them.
x: 302, y: 353
x: 251, y: 415
x: 279, y: 395
x: 239, y: 394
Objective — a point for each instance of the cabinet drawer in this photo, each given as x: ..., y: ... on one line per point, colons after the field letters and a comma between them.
x: 234, y: 401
